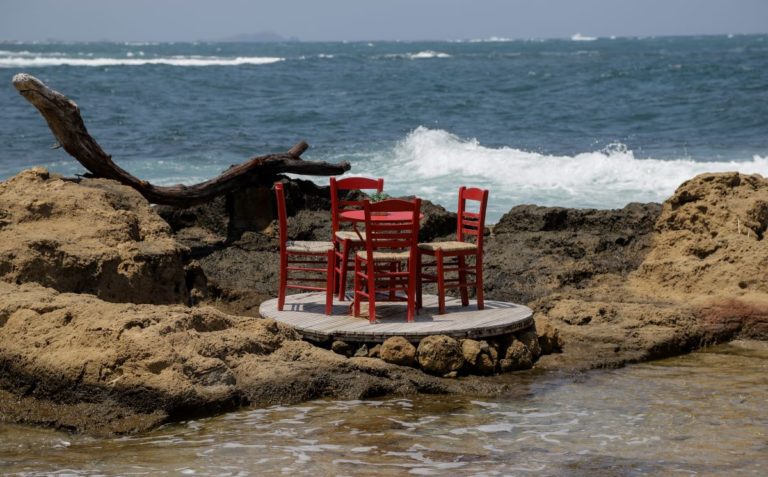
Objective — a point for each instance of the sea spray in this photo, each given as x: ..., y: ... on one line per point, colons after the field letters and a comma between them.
x: 433, y: 163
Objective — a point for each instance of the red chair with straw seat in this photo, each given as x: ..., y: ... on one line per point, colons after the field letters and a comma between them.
x: 303, y: 262
x: 469, y: 224
x: 346, y: 241
x: 388, y: 263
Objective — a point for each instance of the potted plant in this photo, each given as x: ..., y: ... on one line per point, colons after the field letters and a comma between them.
x: 378, y: 197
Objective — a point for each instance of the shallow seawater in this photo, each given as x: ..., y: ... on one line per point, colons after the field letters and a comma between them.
x: 700, y: 414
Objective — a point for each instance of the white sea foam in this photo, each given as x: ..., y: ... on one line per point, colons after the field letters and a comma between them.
x: 17, y: 61
x: 421, y: 55
x: 493, y: 39
x: 427, y: 54
x: 433, y: 163
x: 580, y: 37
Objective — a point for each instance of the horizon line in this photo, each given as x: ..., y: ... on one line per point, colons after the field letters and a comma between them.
x: 489, y: 39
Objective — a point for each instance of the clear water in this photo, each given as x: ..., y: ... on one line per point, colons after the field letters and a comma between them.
x: 574, y: 123
x: 701, y: 414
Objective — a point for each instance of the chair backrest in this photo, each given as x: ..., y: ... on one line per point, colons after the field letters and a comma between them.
x: 349, y: 183
x: 282, y: 216
x: 471, y: 223
x: 391, y: 235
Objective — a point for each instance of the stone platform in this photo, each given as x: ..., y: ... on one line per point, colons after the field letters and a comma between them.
x: 306, y: 313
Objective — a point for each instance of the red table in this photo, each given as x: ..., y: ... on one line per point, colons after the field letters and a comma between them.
x: 359, y: 216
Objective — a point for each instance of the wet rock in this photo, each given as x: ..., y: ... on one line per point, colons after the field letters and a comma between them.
x: 478, y: 357
x: 398, y: 350
x: 440, y: 355
x: 516, y: 357
x: 535, y: 251
x: 531, y: 341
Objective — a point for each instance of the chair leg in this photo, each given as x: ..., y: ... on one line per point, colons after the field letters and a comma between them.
x: 463, y: 281
x: 411, y: 304
x: 329, y: 281
x: 281, y: 287
x: 419, y: 296
x: 479, y: 281
x: 343, y: 268
x: 357, y: 289
x: 371, y: 292
x: 440, y: 282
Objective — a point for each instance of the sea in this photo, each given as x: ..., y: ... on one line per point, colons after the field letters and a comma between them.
x: 576, y: 122
x: 701, y: 415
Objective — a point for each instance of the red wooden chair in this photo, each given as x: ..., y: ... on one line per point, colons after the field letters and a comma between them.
x: 389, y: 244
x: 346, y: 241
x: 305, y: 261
x: 469, y: 224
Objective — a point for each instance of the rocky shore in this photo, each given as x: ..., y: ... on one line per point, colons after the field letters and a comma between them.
x: 116, y: 316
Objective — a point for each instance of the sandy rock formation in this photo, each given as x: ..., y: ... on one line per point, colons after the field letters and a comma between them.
x: 703, y: 281
x: 87, y: 236
x: 709, y: 239
x: 608, y: 287
x: 79, y: 363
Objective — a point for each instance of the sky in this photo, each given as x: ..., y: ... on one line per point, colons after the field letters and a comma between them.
x: 359, y: 20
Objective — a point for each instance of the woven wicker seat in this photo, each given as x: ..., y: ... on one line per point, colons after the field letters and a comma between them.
x: 450, y: 269
x: 304, y: 265
x: 350, y: 235
x: 385, y: 256
x: 308, y: 246
x: 448, y: 246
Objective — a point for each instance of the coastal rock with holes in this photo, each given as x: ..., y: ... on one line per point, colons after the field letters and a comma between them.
x: 398, y: 350
x: 440, y: 355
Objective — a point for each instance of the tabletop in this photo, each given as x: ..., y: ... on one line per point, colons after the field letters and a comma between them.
x: 359, y: 216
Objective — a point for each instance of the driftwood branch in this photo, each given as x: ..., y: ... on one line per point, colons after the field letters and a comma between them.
x: 63, y: 117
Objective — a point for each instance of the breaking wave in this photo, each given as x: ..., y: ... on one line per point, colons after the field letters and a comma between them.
x: 419, y: 56
x: 434, y: 163
x: 26, y: 60
x: 580, y: 37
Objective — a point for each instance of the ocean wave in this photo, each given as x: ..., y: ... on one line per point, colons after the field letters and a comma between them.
x: 492, y: 39
x: 32, y: 54
x: 434, y: 163
x: 38, y: 61
x: 418, y: 56
x: 580, y: 37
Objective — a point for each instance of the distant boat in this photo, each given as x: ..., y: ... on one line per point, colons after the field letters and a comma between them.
x: 580, y: 37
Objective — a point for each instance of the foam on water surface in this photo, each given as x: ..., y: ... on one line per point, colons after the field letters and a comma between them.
x: 32, y: 61
x: 433, y: 163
